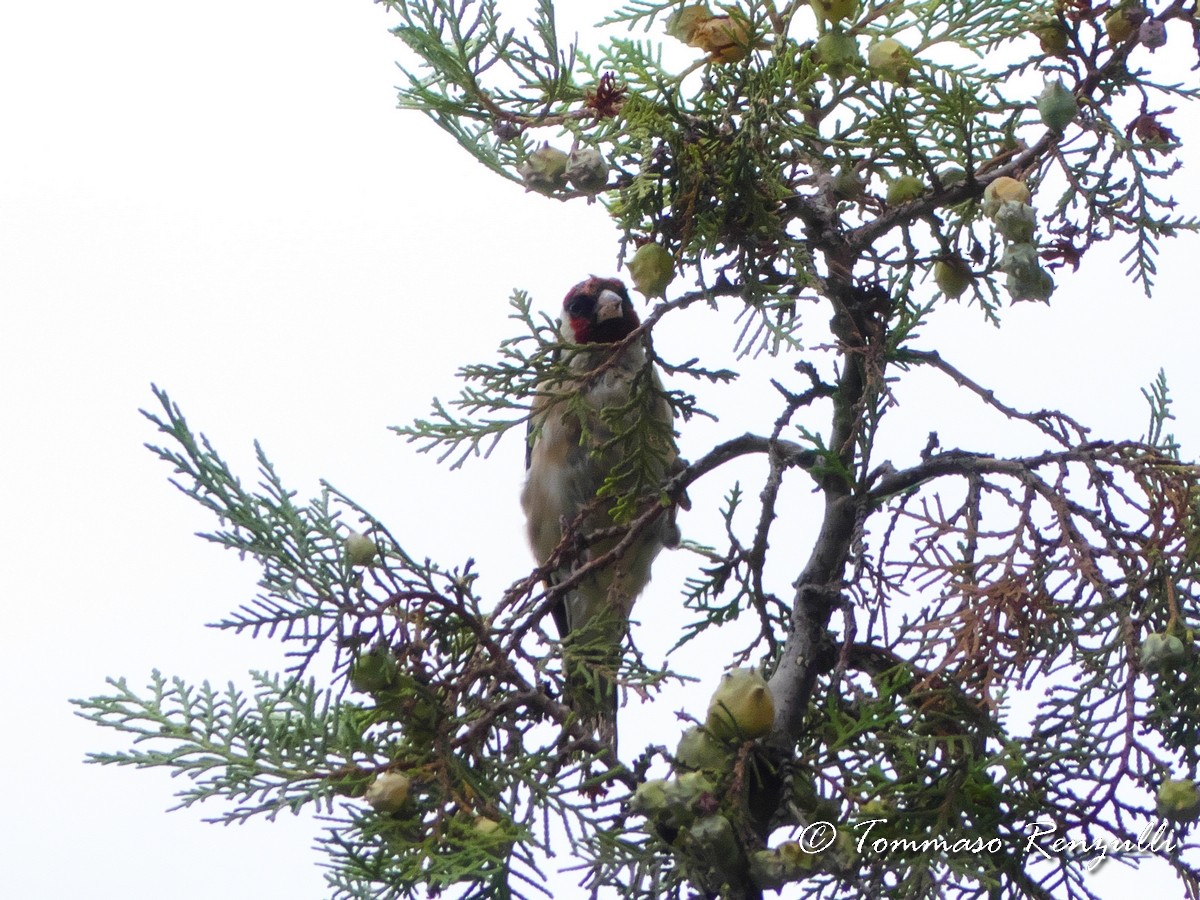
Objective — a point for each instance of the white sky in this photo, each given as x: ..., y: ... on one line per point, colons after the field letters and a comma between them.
x: 222, y: 199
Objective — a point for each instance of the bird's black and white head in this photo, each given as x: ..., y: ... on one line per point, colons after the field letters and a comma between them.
x: 598, y: 311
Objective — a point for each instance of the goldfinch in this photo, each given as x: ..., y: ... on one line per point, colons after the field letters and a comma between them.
x: 609, y: 423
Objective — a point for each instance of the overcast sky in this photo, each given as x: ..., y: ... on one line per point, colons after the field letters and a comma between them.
x: 223, y: 200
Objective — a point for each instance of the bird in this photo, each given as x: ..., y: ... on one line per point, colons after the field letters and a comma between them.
x: 605, y: 420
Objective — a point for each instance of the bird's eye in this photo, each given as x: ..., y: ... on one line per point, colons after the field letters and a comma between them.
x: 580, y: 306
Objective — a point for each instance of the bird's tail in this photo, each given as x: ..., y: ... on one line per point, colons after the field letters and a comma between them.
x: 591, y: 659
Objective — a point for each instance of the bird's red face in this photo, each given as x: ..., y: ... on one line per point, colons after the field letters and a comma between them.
x: 599, y: 311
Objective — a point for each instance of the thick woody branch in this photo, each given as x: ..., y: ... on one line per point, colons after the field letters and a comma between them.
x: 964, y: 463
x: 784, y: 455
x: 820, y: 583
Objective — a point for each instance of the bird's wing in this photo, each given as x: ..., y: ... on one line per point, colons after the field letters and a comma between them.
x: 552, y: 461
x: 538, y: 405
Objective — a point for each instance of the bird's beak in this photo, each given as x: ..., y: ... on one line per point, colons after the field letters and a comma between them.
x: 608, y: 306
